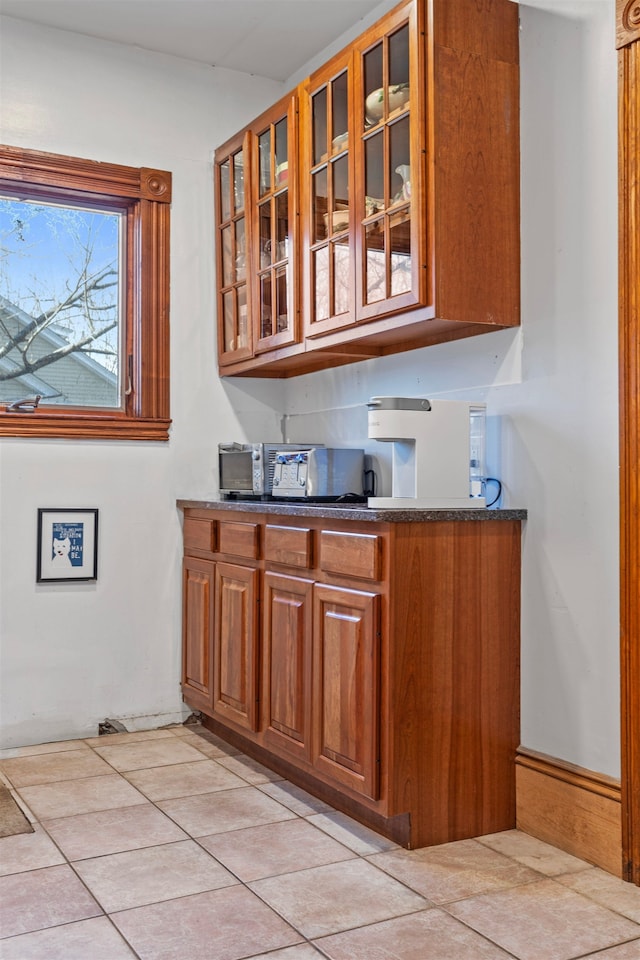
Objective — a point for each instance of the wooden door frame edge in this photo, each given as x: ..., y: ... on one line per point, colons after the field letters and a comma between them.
x: 628, y: 44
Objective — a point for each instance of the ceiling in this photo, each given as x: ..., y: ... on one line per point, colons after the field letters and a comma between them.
x: 270, y: 38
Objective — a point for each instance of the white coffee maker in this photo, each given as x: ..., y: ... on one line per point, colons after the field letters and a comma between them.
x: 438, y: 451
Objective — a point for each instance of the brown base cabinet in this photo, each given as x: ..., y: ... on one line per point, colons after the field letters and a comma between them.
x: 374, y: 662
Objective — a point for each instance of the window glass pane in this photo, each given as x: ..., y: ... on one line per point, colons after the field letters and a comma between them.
x: 61, y: 303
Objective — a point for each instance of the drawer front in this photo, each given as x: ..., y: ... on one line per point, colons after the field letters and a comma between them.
x: 290, y: 545
x: 351, y: 554
x: 199, y: 534
x: 239, y: 539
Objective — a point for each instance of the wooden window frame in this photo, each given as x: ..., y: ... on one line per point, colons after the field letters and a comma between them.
x: 145, y: 194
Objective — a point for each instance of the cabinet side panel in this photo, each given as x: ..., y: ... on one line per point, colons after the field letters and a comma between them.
x: 455, y: 698
x: 477, y: 189
x: 489, y: 27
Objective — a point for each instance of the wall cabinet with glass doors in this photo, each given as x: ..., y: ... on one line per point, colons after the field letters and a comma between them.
x: 388, y: 186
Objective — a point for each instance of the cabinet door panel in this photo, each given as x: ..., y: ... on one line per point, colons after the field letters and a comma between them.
x: 235, y: 644
x: 346, y: 687
x: 286, y: 689
x: 197, y: 640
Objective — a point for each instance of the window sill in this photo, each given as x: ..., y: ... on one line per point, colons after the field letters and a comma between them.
x: 75, y: 426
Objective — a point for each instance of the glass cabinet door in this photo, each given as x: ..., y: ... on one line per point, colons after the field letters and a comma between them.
x: 389, y: 164
x: 274, y: 231
x: 328, y: 190
x: 234, y: 329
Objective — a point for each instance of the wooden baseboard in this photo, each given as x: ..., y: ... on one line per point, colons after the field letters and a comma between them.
x: 574, y: 809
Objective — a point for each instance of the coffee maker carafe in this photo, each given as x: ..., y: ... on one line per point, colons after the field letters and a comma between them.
x: 438, y: 451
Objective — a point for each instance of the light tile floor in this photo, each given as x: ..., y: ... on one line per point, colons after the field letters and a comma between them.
x: 169, y: 844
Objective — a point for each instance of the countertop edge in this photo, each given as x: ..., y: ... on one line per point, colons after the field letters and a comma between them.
x: 352, y: 512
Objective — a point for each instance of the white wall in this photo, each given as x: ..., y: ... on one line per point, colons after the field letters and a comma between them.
x: 74, y: 654
x: 550, y: 387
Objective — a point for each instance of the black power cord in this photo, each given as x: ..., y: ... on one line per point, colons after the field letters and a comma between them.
x: 498, y: 494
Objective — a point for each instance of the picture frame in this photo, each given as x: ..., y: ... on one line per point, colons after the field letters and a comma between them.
x: 67, y: 549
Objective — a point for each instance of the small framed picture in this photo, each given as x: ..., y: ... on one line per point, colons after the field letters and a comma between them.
x: 67, y: 545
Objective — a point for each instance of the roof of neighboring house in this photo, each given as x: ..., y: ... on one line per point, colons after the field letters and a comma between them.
x: 85, y: 372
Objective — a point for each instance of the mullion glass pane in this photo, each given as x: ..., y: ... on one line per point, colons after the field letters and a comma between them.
x: 341, y: 275
x: 225, y: 191
x: 282, y: 302
x: 228, y: 271
x: 321, y: 283
x: 264, y: 162
x: 265, y: 234
x: 373, y: 86
x: 374, y: 169
x: 265, y: 305
x: 238, y: 181
x: 400, y: 241
x: 339, y: 114
x: 400, y: 157
x: 399, y: 60
x: 243, y: 324
x: 340, y: 214
x: 319, y: 109
x: 282, y: 226
x: 375, y: 265
x: 282, y: 154
x: 241, y: 268
x: 320, y: 200
x: 229, y: 326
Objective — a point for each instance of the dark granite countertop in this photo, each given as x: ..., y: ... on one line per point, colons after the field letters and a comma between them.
x: 351, y: 511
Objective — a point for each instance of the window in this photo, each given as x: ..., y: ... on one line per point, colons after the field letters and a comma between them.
x: 84, y: 298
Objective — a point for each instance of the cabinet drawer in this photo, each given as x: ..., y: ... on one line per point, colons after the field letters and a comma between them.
x: 199, y: 534
x: 351, y: 554
x: 239, y: 539
x: 290, y: 545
